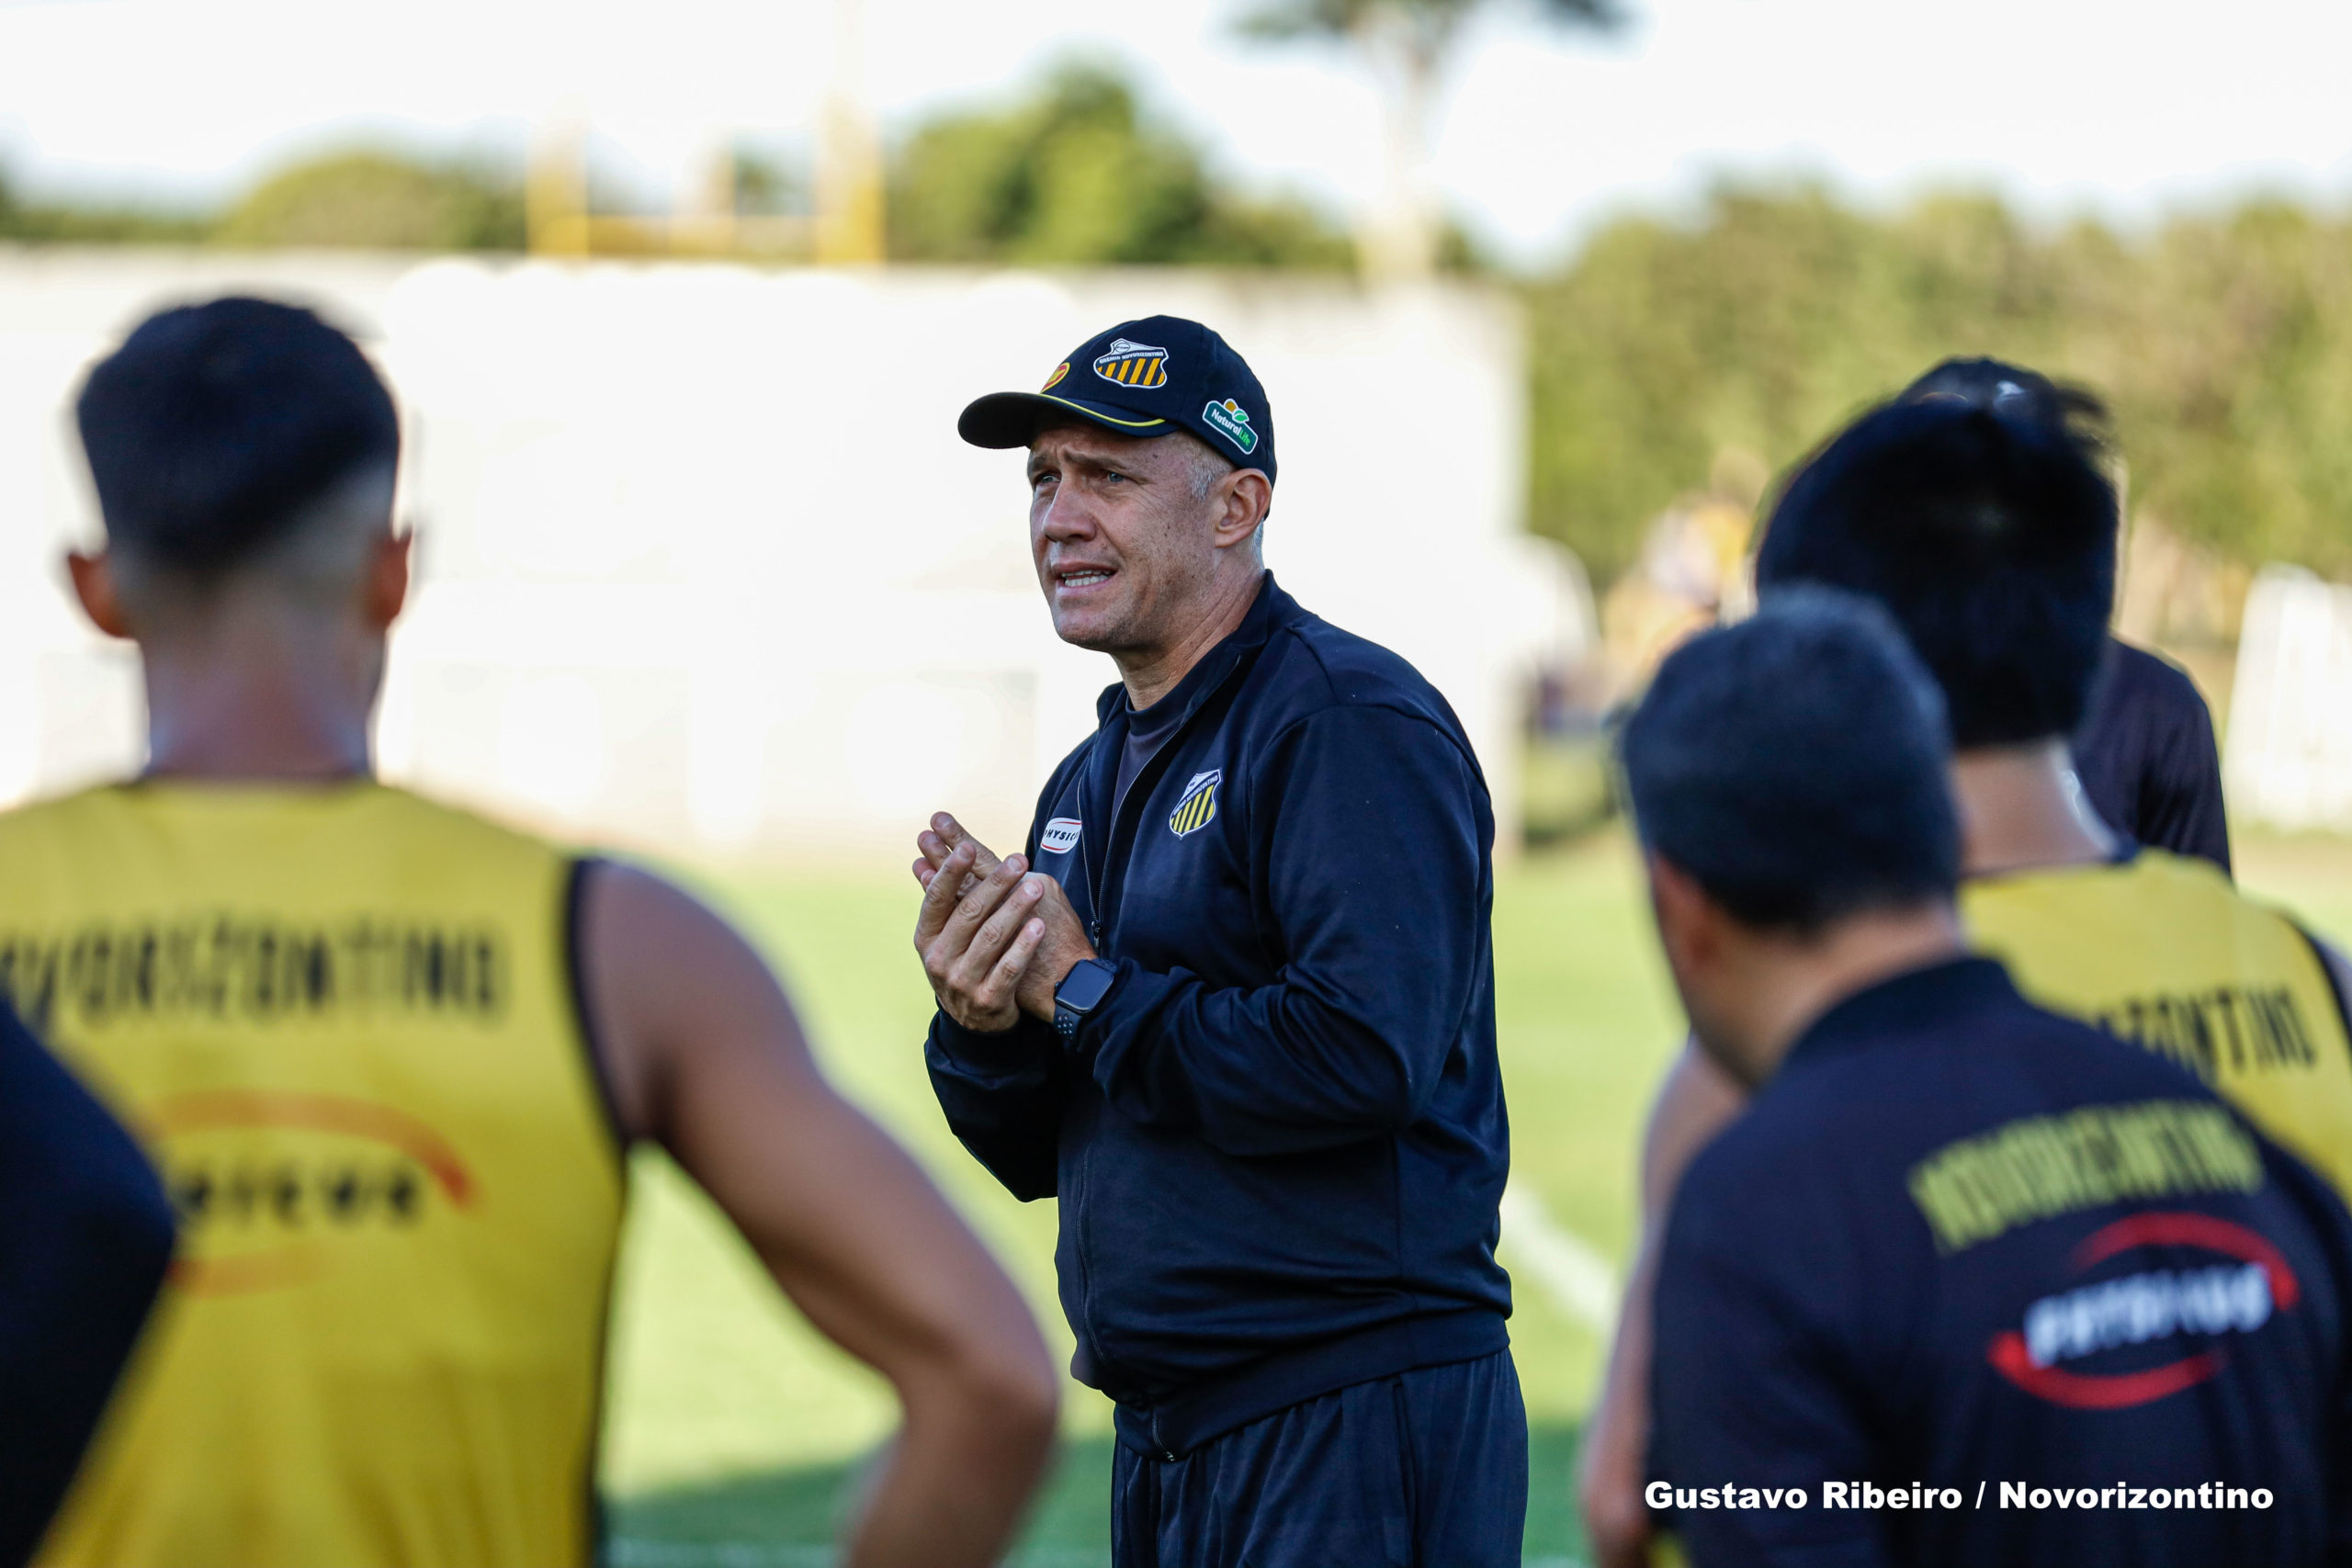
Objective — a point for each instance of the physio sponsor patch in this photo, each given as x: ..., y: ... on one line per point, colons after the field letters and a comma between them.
x: 1060, y: 836
x: 1132, y: 364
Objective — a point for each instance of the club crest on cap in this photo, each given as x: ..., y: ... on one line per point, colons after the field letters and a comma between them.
x: 1132, y: 364
x: 1231, y: 420
x: 1055, y: 379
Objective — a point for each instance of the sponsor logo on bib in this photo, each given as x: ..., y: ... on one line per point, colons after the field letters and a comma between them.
x: 274, y: 1189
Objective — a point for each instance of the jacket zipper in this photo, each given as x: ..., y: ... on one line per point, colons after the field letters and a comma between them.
x: 1085, y: 1327
x: 1098, y: 928
x: 1113, y: 883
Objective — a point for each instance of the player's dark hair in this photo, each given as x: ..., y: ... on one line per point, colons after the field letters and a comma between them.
x: 1988, y: 535
x: 2013, y: 391
x: 214, y: 425
x: 1796, y: 766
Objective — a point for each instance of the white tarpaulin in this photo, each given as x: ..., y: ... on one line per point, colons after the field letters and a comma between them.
x: 703, y: 564
x: 2288, y: 759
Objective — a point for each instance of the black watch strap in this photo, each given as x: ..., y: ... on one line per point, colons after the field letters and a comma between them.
x: 1080, y: 992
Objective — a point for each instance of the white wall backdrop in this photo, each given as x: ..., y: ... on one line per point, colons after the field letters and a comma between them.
x: 705, y: 567
x: 2289, y: 757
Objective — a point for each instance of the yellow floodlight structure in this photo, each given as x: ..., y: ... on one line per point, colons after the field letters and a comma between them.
x: 847, y: 230
x: 848, y: 156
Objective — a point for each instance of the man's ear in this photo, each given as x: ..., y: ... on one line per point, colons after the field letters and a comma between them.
x: 94, y: 585
x: 1689, y: 924
x: 1248, y: 495
x: 385, y: 589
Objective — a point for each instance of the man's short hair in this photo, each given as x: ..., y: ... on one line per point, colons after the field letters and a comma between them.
x: 214, y: 427
x: 2011, y: 390
x: 1796, y: 766
x: 1990, y: 537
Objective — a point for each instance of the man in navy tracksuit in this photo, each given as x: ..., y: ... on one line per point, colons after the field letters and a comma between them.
x: 1233, y: 1006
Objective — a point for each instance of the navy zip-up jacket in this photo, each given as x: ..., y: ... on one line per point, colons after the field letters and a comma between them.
x: 1279, y: 1143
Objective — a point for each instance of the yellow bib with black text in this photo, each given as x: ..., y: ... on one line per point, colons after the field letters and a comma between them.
x: 2162, y: 951
x: 342, y: 1021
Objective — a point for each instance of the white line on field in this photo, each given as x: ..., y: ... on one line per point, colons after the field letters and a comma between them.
x: 1580, y: 1282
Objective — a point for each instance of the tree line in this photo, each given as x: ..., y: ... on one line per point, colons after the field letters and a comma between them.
x: 1749, y: 327
x: 2222, y: 341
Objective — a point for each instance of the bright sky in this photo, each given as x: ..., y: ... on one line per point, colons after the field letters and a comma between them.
x: 2127, y: 108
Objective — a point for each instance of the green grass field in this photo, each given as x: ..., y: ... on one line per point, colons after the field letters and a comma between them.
x: 734, y: 1431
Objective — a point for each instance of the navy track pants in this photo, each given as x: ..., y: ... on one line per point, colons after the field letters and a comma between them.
x: 1424, y: 1470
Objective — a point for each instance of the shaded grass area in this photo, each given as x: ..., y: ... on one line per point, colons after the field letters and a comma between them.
x: 2307, y: 875
x: 733, y: 1429
x: 772, y: 1519
x: 735, y: 1433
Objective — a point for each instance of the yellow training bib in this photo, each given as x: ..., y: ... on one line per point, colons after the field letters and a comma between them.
x: 341, y: 1019
x: 2162, y: 951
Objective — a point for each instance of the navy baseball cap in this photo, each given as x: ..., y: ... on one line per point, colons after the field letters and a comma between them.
x: 1143, y: 378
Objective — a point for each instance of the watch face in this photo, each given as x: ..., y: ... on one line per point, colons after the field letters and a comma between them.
x: 1083, y: 985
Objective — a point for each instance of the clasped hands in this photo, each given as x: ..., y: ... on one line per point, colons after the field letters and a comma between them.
x: 996, y: 938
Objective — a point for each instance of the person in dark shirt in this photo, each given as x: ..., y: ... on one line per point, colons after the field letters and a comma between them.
x: 86, y: 1238
x: 2146, y: 758
x: 1969, y: 1283
x: 2146, y: 755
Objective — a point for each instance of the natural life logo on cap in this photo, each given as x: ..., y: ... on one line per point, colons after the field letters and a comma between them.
x: 1132, y: 364
x: 1055, y: 379
x: 1231, y: 420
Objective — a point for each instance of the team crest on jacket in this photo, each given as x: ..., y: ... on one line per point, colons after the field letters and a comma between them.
x: 1132, y: 363
x: 1198, y: 808
x: 1060, y: 836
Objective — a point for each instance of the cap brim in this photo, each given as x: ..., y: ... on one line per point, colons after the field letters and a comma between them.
x: 1014, y: 419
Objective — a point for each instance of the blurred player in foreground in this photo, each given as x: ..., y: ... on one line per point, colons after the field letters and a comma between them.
x: 1958, y: 1243
x: 86, y: 1233
x: 1240, y: 1020
x: 1990, y: 536
x: 390, y: 1056
x: 2144, y: 751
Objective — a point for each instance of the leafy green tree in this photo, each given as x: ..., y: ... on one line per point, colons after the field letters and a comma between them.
x: 766, y: 186
x: 379, y: 201
x: 1408, y: 45
x: 1077, y: 176
x: 69, y: 223
x: 2224, y: 345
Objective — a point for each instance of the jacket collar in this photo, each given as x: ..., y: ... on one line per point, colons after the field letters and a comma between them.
x: 1271, y: 610
x: 1933, y: 997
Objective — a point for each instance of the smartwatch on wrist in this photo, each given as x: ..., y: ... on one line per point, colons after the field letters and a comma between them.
x: 1080, y: 992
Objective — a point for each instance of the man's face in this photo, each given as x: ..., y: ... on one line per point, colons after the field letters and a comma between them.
x: 1122, y: 545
